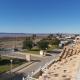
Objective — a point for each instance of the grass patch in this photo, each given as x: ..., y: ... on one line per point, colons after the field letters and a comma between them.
x: 31, y: 52
x: 4, y: 68
x: 37, y: 50
x: 5, y: 63
x: 53, y: 47
x: 34, y: 52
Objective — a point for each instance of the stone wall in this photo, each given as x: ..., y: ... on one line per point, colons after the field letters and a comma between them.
x: 69, y: 51
x: 66, y: 66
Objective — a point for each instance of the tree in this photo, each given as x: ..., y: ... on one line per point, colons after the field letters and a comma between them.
x: 0, y: 56
x: 54, y: 41
x: 33, y: 36
x: 27, y: 44
x: 28, y: 38
x: 43, y: 44
x: 50, y: 36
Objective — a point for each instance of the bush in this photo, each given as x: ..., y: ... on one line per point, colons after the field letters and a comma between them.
x: 27, y: 44
x: 43, y: 44
x: 54, y: 42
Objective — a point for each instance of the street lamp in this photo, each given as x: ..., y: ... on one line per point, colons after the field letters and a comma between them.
x: 46, y: 51
x: 11, y: 66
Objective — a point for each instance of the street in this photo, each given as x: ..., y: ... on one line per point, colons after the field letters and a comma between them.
x: 37, y: 63
x: 33, y: 67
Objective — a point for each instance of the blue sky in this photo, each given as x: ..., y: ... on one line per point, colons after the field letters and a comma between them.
x: 40, y: 16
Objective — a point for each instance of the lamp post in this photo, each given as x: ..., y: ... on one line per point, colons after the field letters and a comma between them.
x: 46, y: 52
x: 11, y: 66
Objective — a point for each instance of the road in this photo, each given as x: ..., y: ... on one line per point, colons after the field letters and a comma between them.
x: 33, y: 67
x: 38, y: 62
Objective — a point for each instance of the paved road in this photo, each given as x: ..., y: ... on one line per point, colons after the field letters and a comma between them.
x: 33, y: 67
x: 38, y: 61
